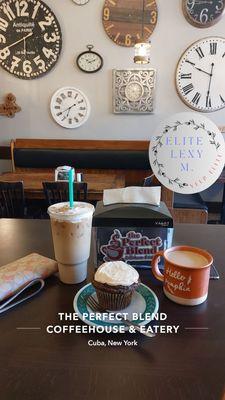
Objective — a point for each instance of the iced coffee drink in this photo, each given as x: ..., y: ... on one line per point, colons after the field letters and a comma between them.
x: 71, y: 232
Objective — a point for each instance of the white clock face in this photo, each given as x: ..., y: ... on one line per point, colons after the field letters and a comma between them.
x: 200, y: 75
x: 134, y: 91
x: 70, y: 108
x: 89, y: 62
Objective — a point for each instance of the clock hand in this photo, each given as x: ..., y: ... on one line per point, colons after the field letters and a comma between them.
x: 67, y: 109
x: 201, y: 70
x: 18, y: 41
x: 24, y: 47
x: 210, y: 81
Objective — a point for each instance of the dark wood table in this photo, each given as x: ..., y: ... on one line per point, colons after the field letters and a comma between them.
x: 36, y: 365
x: 33, y: 182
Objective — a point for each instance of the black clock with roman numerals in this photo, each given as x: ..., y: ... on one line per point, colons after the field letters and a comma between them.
x: 200, y: 75
x: 30, y: 38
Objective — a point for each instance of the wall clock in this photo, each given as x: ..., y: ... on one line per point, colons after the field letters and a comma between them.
x: 123, y: 20
x: 203, y: 13
x: 133, y: 90
x: 80, y: 2
x: 70, y: 107
x: 200, y: 75
x: 89, y: 61
x: 30, y: 38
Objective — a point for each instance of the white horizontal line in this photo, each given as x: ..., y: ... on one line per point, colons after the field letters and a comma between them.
x: 204, y: 328
x: 29, y: 328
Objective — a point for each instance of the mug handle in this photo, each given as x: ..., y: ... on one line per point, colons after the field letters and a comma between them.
x: 155, y: 268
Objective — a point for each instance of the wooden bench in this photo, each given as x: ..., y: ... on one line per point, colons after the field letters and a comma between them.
x: 126, y: 158
x: 80, y: 151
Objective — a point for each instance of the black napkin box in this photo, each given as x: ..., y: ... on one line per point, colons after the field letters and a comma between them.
x: 132, y: 233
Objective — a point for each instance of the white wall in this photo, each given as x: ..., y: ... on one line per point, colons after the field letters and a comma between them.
x: 81, y: 26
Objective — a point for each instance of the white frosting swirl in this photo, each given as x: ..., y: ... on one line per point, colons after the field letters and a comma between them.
x: 116, y: 273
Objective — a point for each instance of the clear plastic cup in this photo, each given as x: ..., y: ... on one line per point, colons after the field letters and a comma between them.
x: 71, y: 233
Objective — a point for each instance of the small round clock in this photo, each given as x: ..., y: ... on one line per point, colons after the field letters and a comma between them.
x: 80, y: 2
x: 200, y: 75
x: 89, y: 61
x: 30, y: 38
x: 70, y: 107
x: 134, y: 91
x: 203, y: 13
x: 127, y: 21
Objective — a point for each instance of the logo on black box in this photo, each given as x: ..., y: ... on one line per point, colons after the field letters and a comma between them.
x: 131, y: 247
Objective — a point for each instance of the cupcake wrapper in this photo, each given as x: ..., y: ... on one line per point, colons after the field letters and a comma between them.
x: 114, y: 301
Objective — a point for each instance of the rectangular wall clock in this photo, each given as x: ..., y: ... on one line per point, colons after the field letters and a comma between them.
x: 133, y: 91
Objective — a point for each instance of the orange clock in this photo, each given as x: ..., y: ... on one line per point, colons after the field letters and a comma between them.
x: 127, y: 21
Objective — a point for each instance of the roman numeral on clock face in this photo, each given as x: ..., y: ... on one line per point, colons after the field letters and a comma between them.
x: 188, y: 88
x: 186, y: 76
x: 190, y: 62
x: 213, y: 48
x: 200, y: 52
x: 208, y: 102
x: 196, y: 98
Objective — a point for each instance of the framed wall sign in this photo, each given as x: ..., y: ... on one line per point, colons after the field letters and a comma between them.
x: 30, y: 38
x: 133, y: 90
x: 187, y: 153
x: 200, y: 75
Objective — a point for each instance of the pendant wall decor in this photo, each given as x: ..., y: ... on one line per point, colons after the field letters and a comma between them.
x: 133, y: 91
x: 9, y: 108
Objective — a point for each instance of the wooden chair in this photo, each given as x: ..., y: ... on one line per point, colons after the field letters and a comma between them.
x: 57, y: 192
x: 189, y: 209
x: 12, y: 200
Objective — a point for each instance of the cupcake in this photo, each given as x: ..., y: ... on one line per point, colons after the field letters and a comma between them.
x: 115, y: 283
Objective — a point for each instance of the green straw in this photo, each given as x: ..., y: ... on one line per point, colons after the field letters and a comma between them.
x: 71, y: 187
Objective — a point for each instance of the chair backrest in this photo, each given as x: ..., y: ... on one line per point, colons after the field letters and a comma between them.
x: 12, y: 201
x: 57, y: 192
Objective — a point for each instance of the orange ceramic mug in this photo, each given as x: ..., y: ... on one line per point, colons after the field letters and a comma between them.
x: 186, y: 274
